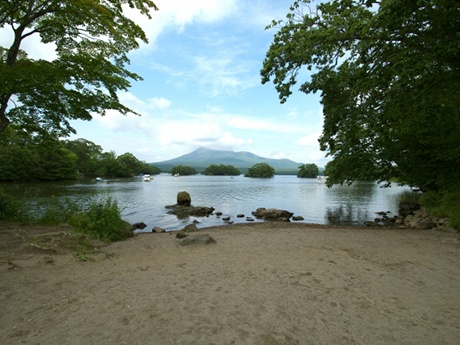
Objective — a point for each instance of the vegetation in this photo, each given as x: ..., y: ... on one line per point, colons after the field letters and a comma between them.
x: 389, y: 77
x: 308, y: 170
x: 221, y: 170
x: 183, y: 170
x: 44, y: 157
x: 91, y: 40
x: 262, y: 170
x: 102, y: 220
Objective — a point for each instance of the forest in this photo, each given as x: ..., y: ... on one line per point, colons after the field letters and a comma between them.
x: 45, y: 157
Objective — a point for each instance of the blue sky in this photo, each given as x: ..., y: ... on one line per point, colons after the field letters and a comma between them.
x: 202, y: 88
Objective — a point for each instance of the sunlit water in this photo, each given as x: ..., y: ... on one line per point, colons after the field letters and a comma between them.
x: 145, y: 201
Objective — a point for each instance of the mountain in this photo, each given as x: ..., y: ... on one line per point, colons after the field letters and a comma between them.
x: 201, y: 158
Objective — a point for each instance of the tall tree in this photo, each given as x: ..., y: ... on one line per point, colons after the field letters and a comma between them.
x: 389, y: 76
x: 92, y: 39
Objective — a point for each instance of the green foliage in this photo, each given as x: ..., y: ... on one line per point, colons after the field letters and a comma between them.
x: 31, y: 156
x: 444, y: 204
x: 183, y: 170
x: 102, y: 220
x: 308, y: 170
x: 92, y: 39
x: 221, y: 170
x: 12, y: 207
x: 389, y: 77
x: 262, y: 170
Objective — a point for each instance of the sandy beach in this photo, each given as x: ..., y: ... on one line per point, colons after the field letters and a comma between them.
x: 265, y: 283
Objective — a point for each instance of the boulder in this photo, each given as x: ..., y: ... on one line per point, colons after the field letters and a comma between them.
x: 273, y: 214
x: 297, y: 218
x: 184, y: 199
x: 190, y: 228
x: 203, y: 239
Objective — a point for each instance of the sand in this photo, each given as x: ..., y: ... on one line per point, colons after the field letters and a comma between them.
x: 266, y: 283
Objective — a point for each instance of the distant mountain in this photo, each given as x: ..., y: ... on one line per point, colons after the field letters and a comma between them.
x: 201, y: 158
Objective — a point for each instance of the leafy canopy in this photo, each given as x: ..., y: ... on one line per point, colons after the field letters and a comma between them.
x: 221, y: 170
x: 261, y: 170
x: 308, y: 171
x: 92, y: 39
x: 389, y: 77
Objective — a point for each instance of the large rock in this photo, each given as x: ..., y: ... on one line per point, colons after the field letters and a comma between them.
x: 184, y: 199
x: 185, y: 211
x: 273, y: 214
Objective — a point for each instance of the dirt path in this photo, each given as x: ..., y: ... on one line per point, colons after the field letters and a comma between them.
x: 260, y: 284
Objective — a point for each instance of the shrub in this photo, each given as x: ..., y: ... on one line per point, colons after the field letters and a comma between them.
x: 102, y: 220
x: 12, y: 208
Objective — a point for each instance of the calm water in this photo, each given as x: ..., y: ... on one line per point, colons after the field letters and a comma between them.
x: 146, y: 201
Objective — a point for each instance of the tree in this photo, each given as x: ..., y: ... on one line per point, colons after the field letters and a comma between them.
x: 262, y: 170
x: 183, y: 170
x: 308, y: 170
x: 92, y: 39
x: 221, y: 170
x: 89, y: 156
x: 389, y: 77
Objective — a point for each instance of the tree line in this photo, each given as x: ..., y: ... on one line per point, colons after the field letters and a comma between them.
x: 44, y: 157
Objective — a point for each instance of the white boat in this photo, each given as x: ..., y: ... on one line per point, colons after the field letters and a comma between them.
x: 321, y: 179
x: 148, y: 178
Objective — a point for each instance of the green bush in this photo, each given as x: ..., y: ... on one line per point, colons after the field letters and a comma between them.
x: 102, y: 220
x: 445, y: 204
x: 12, y: 208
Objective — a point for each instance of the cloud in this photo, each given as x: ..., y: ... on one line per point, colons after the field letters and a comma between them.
x: 176, y: 14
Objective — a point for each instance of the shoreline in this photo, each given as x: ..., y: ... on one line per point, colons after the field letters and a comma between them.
x: 263, y: 283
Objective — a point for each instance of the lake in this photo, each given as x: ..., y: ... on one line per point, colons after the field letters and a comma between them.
x: 145, y: 201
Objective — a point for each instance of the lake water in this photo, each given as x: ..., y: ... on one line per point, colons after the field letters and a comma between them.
x: 145, y: 201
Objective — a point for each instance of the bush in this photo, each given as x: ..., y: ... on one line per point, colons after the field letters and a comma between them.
x: 445, y: 204
x: 102, y: 220
x: 12, y: 208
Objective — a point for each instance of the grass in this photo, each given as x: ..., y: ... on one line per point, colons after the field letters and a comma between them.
x: 100, y: 219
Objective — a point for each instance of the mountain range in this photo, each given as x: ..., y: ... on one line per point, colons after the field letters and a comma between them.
x: 201, y: 158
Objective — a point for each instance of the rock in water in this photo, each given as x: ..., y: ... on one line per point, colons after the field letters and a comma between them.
x: 184, y: 199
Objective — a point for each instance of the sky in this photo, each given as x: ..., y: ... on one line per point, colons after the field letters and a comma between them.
x: 201, y: 87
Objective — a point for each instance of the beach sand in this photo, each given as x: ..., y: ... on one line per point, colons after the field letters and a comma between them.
x: 264, y: 283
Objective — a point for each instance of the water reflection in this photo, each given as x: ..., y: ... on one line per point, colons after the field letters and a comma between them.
x: 146, y: 201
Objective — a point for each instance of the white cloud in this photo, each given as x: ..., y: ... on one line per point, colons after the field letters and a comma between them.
x: 179, y: 13
x: 160, y: 103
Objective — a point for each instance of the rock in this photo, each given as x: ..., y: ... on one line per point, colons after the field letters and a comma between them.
x: 140, y: 225
x: 184, y: 199
x: 158, y: 230
x: 203, y: 239
x: 240, y: 215
x: 225, y: 219
x: 273, y: 214
x: 190, y: 228
x: 185, y: 211
x: 297, y: 218
x: 249, y: 219
x: 425, y: 225
x: 218, y: 214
